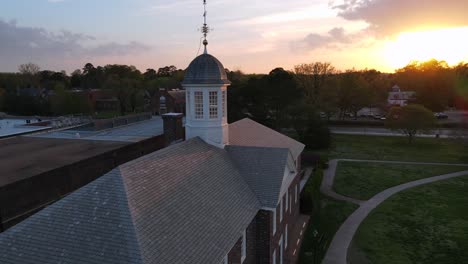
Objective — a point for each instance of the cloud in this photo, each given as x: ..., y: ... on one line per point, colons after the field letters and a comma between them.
x: 334, y: 37
x: 390, y: 17
x: 23, y: 44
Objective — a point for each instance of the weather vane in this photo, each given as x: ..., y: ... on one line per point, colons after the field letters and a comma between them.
x: 205, y: 28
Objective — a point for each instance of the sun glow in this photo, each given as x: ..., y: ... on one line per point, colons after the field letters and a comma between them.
x: 450, y: 45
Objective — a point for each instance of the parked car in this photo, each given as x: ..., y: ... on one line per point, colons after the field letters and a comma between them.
x: 441, y: 116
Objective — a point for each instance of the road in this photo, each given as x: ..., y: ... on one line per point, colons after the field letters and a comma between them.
x: 380, y: 131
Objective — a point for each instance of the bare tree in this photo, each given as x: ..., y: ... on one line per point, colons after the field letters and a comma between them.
x: 29, y: 69
x: 312, y: 78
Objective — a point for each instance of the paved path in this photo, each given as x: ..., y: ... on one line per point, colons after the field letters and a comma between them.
x: 338, y: 250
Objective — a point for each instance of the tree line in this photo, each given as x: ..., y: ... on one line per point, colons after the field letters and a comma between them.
x: 301, y: 99
x: 32, y: 91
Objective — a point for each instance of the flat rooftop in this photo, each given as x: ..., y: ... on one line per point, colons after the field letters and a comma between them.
x: 11, y: 127
x: 24, y: 157
x: 134, y: 132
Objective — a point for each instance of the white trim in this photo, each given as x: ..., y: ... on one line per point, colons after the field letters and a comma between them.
x: 287, y: 199
x: 226, y: 259
x: 273, y: 257
x: 286, y: 237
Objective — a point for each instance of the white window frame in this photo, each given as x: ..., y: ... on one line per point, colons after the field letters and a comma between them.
x: 281, y: 252
x: 213, y: 104
x: 274, y: 257
x: 226, y: 259
x: 297, y: 191
x: 244, y: 246
x: 274, y: 221
x: 286, y: 237
x: 281, y: 210
x: 199, y: 110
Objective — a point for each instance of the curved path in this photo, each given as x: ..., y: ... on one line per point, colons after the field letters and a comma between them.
x: 338, y: 249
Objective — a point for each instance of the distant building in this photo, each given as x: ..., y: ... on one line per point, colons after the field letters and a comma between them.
x: 172, y: 101
x: 397, y: 97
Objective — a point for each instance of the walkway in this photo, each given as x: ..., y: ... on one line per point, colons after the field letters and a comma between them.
x: 338, y: 250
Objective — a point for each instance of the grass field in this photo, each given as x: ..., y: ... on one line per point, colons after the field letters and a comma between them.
x: 397, y: 148
x: 428, y: 224
x: 362, y: 180
x: 326, y: 217
x: 323, y: 226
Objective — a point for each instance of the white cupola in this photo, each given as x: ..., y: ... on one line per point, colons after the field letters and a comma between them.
x: 206, y: 85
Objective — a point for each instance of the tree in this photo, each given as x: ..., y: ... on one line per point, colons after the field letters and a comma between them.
x: 29, y: 69
x: 410, y: 120
x: 313, y: 78
x: 30, y: 72
x: 282, y: 92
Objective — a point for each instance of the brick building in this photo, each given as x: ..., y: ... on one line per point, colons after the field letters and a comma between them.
x: 228, y: 194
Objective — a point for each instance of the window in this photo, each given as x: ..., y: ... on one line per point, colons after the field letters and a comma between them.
x: 198, y: 105
x: 281, y: 209
x: 273, y: 257
x: 287, y: 200
x: 189, y: 111
x: 286, y: 237
x: 297, y: 191
x: 225, y: 260
x: 290, y: 203
x: 224, y: 104
x: 274, y: 221
x: 213, y: 96
x: 244, y: 246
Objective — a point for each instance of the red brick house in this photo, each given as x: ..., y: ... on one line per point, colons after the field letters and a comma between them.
x: 228, y: 194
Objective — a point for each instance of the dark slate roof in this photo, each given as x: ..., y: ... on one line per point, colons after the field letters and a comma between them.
x: 247, y: 132
x: 206, y: 69
x: 91, y: 225
x: 184, y: 204
x: 263, y: 169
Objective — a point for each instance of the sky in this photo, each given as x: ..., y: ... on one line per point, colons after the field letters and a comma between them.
x: 252, y: 36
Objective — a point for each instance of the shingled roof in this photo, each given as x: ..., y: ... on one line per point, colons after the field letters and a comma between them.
x: 247, y: 132
x: 263, y: 169
x: 187, y: 203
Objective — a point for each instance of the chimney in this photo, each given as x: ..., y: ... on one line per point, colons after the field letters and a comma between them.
x: 173, y: 129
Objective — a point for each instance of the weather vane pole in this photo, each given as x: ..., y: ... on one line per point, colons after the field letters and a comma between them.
x: 205, y: 28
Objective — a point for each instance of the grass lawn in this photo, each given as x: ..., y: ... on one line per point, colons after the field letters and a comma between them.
x: 428, y: 224
x: 363, y: 180
x: 397, y: 148
x: 326, y: 217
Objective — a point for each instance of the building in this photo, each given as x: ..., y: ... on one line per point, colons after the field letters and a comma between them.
x: 397, y: 97
x: 229, y: 193
x: 172, y: 101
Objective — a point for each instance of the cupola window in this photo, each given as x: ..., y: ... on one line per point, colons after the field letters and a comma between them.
x: 224, y: 104
x: 198, y: 105
x: 213, y: 105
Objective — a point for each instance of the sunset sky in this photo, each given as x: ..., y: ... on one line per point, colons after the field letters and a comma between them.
x: 254, y: 36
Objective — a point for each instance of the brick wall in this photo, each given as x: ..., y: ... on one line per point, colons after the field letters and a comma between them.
x: 261, y: 242
x: 290, y: 218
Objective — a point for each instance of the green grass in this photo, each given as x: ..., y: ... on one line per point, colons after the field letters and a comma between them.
x: 397, y: 148
x: 428, y: 224
x: 363, y: 180
x: 326, y: 217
